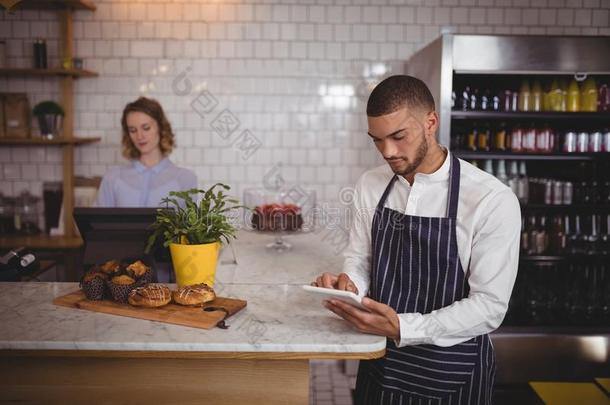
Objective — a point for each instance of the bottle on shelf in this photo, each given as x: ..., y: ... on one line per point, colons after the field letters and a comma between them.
x: 537, y: 96
x: 563, y: 87
x: 573, y: 97
x: 488, y: 167
x: 525, y: 245
x: 605, y: 238
x: 474, y: 100
x: 516, y: 139
x: 593, y: 237
x: 523, y: 184
x: 528, y: 141
x: 513, y: 177
x: 568, y: 193
x: 485, y: 103
x: 499, y: 141
x: 544, y: 139
x: 588, y: 95
x: 495, y: 102
x: 483, y: 139
x: 541, y: 243
x: 557, y: 192
x: 567, y: 235
x: 501, y: 172
x: 471, y: 139
x: 554, y: 96
x: 465, y: 99
x: 576, y: 238
x: 525, y: 96
x: 557, y: 236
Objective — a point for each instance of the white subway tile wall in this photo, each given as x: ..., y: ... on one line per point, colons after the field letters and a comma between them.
x: 249, y: 85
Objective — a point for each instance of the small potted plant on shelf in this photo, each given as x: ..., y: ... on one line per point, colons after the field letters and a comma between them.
x: 50, y: 118
x: 194, y: 231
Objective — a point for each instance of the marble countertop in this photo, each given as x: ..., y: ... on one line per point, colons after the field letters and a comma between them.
x: 278, y: 318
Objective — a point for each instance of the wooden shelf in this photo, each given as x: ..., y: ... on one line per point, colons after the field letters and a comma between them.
x: 531, y: 156
x: 42, y: 241
x: 42, y: 141
x: 55, y: 5
x: 76, y: 73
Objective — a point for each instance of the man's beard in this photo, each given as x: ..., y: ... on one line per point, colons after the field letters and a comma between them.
x: 420, y: 155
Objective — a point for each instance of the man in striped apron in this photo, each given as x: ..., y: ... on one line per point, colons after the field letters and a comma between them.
x: 436, y: 316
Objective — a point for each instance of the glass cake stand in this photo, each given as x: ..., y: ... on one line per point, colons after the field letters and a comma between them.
x: 279, y: 213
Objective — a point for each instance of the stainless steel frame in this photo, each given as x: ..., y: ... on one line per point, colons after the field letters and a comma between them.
x: 531, y: 353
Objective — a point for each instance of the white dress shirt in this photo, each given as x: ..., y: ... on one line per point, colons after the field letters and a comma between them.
x: 488, y: 233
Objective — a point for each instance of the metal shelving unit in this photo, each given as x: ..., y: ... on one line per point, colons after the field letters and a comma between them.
x: 524, y: 350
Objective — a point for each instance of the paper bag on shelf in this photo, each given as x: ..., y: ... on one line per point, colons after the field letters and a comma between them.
x: 16, y: 115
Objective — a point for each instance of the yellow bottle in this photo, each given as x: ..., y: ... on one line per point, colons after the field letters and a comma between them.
x: 537, y: 96
x: 546, y: 98
x: 554, y: 97
x: 563, y: 87
x: 573, y: 98
x: 525, y: 97
x: 588, y: 95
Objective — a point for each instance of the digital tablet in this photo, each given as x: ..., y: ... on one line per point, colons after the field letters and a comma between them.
x: 331, y: 293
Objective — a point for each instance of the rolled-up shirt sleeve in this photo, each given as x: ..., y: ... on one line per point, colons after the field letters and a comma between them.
x: 491, y: 275
x: 357, y: 255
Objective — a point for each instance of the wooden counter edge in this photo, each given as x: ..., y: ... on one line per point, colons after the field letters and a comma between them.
x: 195, y: 355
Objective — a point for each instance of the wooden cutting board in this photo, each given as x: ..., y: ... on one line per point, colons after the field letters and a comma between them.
x: 194, y: 317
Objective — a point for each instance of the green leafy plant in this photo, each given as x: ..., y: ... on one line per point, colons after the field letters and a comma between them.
x: 47, y: 107
x: 185, y: 221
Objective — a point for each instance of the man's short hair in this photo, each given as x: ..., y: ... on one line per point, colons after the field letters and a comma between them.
x: 397, y: 92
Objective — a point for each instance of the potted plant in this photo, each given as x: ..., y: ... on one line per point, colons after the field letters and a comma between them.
x: 50, y: 118
x: 194, y: 231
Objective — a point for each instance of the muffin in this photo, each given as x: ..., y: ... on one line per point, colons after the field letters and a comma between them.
x: 111, y: 267
x: 93, y: 285
x: 141, y: 272
x: 120, y: 286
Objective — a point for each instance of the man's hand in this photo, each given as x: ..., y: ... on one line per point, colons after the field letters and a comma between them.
x: 382, y: 320
x: 338, y: 282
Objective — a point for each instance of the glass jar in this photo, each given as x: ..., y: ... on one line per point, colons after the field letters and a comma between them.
x: 7, y: 215
x: 27, y: 213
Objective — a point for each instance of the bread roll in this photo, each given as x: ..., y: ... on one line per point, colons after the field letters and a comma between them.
x: 196, y: 294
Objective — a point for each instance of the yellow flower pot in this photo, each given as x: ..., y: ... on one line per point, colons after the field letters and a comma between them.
x: 194, y: 264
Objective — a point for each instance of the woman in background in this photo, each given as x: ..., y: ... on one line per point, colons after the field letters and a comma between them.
x: 150, y: 176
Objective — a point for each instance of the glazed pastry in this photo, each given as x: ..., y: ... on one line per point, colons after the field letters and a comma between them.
x: 150, y: 296
x: 195, y: 294
x: 120, y: 287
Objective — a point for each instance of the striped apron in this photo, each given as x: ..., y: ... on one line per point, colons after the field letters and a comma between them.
x: 416, y: 268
